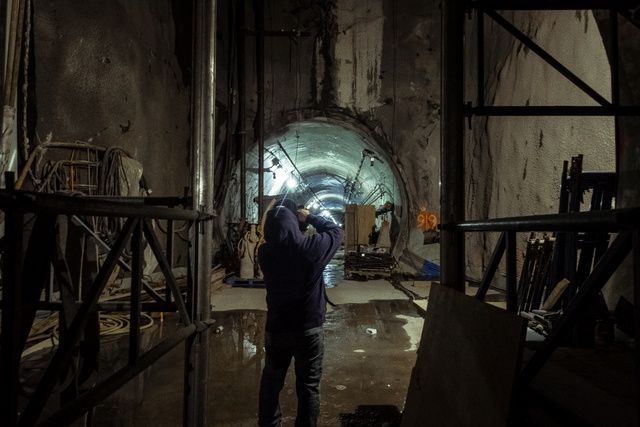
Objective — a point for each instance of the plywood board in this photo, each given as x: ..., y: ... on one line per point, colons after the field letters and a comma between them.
x: 358, y: 221
x: 466, y: 364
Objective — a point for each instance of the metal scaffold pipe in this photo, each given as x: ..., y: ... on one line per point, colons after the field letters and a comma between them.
x: 202, y: 173
x: 258, y: 8
x: 451, y: 143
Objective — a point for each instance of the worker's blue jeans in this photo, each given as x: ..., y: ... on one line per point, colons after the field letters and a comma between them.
x: 307, y: 348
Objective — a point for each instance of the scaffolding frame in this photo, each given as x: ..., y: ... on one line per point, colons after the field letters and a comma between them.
x: 454, y: 114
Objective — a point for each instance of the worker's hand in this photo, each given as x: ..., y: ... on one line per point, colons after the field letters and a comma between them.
x: 302, y: 215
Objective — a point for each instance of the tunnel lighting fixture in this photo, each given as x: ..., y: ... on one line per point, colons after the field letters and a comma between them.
x: 292, y: 183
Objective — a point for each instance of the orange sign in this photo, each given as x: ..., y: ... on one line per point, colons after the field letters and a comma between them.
x: 427, y: 221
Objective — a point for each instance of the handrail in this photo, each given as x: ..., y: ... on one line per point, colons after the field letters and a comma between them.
x: 553, y: 4
x: 92, y: 206
x: 611, y: 220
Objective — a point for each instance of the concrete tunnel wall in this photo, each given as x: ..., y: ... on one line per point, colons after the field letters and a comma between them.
x: 375, y: 62
x: 373, y: 65
x: 112, y: 73
x: 514, y: 163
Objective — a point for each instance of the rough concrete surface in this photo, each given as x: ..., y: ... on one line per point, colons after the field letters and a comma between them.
x: 514, y: 164
x: 107, y: 72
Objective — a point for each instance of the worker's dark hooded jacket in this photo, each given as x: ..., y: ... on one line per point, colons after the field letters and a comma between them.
x: 292, y: 264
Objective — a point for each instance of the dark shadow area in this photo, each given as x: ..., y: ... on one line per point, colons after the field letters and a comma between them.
x: 372, y: 416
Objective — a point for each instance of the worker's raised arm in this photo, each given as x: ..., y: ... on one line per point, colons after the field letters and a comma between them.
x: 323, y: 245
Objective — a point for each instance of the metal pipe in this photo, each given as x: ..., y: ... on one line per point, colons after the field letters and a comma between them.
x: 241, y: 124
x: 258, y: 7
x: 511, y: 264
x: 492, y: 267
x: 137, y: 258
x: 552, y: 4
x: 202, y: 172
x: 612, y: 220
x: 67, y: 205
x: 451, y: 143
x: 615, y: 56
x: 554, y: 110
x: 636, y: 308
x: 169, y: 252
x: 11, y: 305
x: 481, y: 56
x: 4, y: 10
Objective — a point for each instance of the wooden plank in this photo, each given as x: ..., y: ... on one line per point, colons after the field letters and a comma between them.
x: 350, y: 239
x: 365, y: 219
x: 466, y: 364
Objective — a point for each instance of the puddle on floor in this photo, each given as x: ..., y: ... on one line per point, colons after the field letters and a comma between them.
x: 334, y: 271
x: 359, y: 368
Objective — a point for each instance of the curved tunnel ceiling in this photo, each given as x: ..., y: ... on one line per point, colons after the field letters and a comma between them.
x: 315, y: 162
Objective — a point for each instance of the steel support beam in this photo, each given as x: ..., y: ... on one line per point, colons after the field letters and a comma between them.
x: 258, y: 8
x: 512, y: 273
x: 137, y: 258
x: 11, y: 304
x: 547, y: 57
x: 491, y: 269
x: 553, y: 4
x: 636, y: 310
x: 154, y: 244
x: 242, y: 114
x: 61, y: 358
x: 612, y: 221
x: 553, y: 110
x: 451, y: 143
x: 202, y: 172
x: 4, y: 9
x: 89, y: 206
x: 169, y: 251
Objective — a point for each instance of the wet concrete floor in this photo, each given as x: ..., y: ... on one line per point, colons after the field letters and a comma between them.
x: 360, y: 368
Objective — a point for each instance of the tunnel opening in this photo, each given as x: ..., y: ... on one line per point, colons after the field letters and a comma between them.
x: 323, y: 164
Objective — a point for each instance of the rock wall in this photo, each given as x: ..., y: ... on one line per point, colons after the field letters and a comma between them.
x: 372, y: 63
x: 514, y: 164
x: 109, y: 72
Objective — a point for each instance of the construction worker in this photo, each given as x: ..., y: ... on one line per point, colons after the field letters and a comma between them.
x: 292, y: 264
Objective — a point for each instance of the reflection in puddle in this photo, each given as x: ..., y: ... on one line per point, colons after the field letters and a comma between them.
x: 358, y: 368
x: 334, y: 271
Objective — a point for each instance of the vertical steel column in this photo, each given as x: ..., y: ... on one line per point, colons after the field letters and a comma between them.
x: 258, y: 8
x: 11, y: 308
x: 614, y: 29
x: 241, y: 124
x: 636, y: 310
x: 4, y: 9
x: 202, y: 170
x: 137, y: 257
x: 451, y: 144
x: 480, y: 58
x: 169, y: 252
x: 512, y: 275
